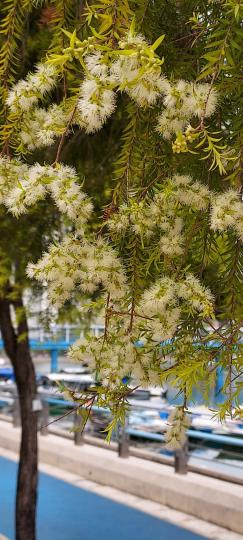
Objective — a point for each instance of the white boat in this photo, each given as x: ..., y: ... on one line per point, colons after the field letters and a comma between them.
x: 49, y: 383
x: 148, y: 420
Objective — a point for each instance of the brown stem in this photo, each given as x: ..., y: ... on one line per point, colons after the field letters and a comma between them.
x: 59, y: 418
x: 63, y: 137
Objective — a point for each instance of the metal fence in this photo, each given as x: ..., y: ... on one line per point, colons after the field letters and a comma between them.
x: 182, y: 460
x: 66, y: 334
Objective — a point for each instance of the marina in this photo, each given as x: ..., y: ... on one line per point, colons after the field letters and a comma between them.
x: 213, y: 448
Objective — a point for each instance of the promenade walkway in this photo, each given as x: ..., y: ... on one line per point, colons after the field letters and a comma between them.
x: 202, y: 505
x: 73, y: 508
x: 67, y: 512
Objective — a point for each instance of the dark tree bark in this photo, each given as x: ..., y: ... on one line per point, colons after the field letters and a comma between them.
x: 17, y: 348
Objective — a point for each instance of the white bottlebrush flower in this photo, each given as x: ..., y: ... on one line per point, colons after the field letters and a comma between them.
x: 41, y: 127
x: 88, y: 265
x: 112, y: 358
x: 135, y: 216
x: 30, y: 188
x: 164, y: 327
x: 182, y: 180
x: 68, y: 196
x: 97, y: 65
x: 191, y: 193
x: 198, y: 297
x: 26, y: 93
x: 124, y: 70
x: 142, y: 84
x: 164, y: 304
x: 174, y: 95
x: 227, y: 212
x: 30, y: 184
x: 147, y: 89
x: 11, y: 172
x: 171, y: 121
x: 178, y: 423
x: 182, y: 101
x: 96, y: 104
x: 156, y: 299
x: 138, y: 72
x: 23, y: 196
x: 172, y: 242
x: 22, y: 97
x: 132, y: 40
x: 119, y: 222
x: 44, y: 79
x: 202, y: 100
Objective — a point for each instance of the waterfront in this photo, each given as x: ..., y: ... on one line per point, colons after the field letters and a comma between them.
x: 147, y: 423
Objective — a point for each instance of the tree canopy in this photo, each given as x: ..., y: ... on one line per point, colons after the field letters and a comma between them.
x: 135, y: 107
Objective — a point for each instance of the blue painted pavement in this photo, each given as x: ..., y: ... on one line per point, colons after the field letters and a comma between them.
x: 66, y: 512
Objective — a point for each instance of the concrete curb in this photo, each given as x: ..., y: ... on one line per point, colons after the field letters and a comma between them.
x: 207, y: 498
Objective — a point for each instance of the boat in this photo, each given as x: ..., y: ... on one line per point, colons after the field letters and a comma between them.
x: 48, y: 384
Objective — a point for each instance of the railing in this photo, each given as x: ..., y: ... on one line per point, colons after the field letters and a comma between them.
x: 182, y: 460
x: 65, y: 334
x: 57, y: 340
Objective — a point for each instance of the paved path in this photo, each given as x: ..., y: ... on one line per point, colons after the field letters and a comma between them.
x: 67, y: 512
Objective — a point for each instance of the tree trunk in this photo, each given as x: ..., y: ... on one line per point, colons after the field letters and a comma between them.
x: 17, y: 348
x: 27, y: 472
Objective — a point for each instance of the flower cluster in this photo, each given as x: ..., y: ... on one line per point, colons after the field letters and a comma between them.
x: 117, y: 356
x: 133, y: 68
x: 25, y: 94
x: 41, y: 127
x: 135, y: 216
x: 190, y: 193
x: 166, y: 210
x: 68, y: 196
x: 168, y: 302
x: 124, y: 351
x: 183, y: 101
x: 175, y: 435
x: 76, y: 263
x: 163, y: 217
x: 97, y: 65
x: 137, y: 71
x: 29, y: 188
x: 11, y: 172
x: 96, y: 104
x: 25, y: 185
x: 227, y: 212
x: 111, y: 359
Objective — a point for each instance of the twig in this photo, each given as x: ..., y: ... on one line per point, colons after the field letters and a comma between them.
x: 61, y: 142
x: 59, y: 418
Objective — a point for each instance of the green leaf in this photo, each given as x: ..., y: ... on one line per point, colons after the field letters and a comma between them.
x: 73, y: 38
x: 96, y: 34
x: 237, y: 9
x: 157, y: 43
x: 68, y: 34
x: 213, y: 58
x: 206, y: 71
x: 133, y: 26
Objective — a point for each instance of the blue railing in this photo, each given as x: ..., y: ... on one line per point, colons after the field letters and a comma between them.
x: 56, y: 341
